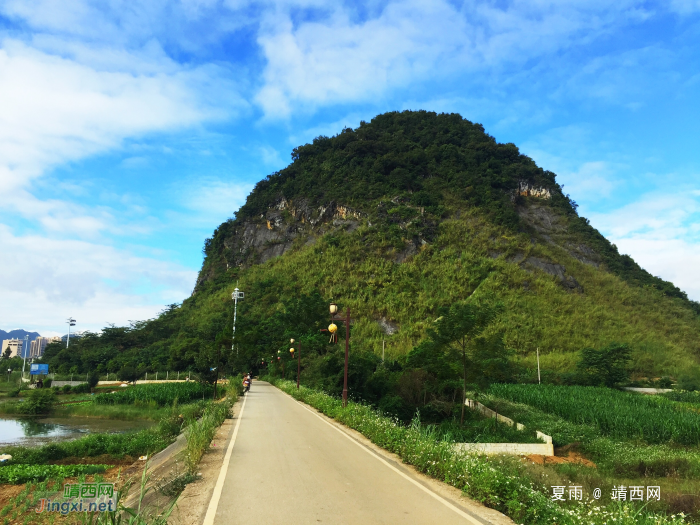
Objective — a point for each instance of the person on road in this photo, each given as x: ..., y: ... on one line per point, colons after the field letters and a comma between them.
x: 246, y: 384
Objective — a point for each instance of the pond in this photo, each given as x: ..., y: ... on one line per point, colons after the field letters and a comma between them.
x: 36, y: 431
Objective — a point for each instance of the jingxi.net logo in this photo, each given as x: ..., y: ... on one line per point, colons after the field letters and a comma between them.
x: 81, y: 497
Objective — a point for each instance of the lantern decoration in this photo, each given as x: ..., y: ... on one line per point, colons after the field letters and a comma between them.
x: 333, y: 308
x: 291, y: 351
x: 332, y: 328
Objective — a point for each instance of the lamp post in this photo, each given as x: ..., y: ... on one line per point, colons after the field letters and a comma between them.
x: 71, y: 322
x: 332, y: 329
x: 279, y: 358
x: 236, y: 296
x: 298, y: 347
x: 9, y: 371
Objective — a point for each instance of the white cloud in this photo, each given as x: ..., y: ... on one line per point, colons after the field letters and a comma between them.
x: 56, y: 110
x: 214, y: 200
x: 337, y: 59
x: 661, y: 231
x: 45, y: 280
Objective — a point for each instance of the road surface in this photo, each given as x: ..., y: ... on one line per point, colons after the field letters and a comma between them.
x: 285, y: 464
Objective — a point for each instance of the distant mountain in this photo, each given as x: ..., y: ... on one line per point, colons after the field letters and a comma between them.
x: 17, y: 334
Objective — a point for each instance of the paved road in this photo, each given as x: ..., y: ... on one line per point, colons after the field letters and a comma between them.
x: 289, y: 466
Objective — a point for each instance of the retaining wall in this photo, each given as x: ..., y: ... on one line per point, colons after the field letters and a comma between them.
x: 545, y: 449
x: 517, y: 449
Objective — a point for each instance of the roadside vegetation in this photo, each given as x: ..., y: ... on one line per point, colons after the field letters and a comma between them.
x: 504, y: 483
x: 43, y: 470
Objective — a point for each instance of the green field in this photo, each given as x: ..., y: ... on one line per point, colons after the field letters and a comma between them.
x: 161, y: 394
x: 621, y: 415
x: 621, y: 432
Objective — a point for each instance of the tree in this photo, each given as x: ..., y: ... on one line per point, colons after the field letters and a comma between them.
x: 129, y: 374
x: 607, y: 366
x: 6, y: 353
x: 93, y: 379
x: 455, y: 340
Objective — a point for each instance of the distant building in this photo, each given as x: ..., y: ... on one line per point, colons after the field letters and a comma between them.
x: 15, y: 346
x: 37, y: 347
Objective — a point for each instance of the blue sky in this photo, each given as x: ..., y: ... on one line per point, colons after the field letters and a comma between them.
x: 129, y: 130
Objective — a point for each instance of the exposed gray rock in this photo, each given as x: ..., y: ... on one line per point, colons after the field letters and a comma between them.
x: 557, y: 270
x: 388, y: 327
x: 273, y: 234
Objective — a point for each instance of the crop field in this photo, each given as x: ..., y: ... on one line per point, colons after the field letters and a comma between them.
x: 17, y: 474
x: 160, y: 393
x: 620, y: 415
x: 683, y: 397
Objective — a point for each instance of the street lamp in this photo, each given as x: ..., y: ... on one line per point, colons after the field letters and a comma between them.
x: 236, y: 296
x: 298, y: 358
x: 9, y: 371
x: 71, y: 322
x: 332, y: 328
x: 279, y: 358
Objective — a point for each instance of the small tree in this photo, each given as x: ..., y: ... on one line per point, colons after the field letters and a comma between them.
x: 93, y: 379
x: 607, y: 366
x: 454, y: 340
x: 129, y: 374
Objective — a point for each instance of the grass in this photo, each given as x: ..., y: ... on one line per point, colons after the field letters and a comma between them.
x: 18, y: 474
x: 200, y: 433
x: 501, y: 483
x: 683, y: 396
x: 620, y: 415
x: 160, y: 394
x: 122, y: 412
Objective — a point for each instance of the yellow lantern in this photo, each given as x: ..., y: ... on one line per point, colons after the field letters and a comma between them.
x: 332, y: 328
x: 291, y: 350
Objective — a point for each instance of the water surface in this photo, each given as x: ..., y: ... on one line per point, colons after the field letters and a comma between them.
x: 35, y: 431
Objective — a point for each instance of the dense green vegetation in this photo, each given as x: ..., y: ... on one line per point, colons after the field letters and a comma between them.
x: 161, y: 394
x: 18, y: 474
x: 439, y: 223
x: 683, y: 396
x: 622, y: 415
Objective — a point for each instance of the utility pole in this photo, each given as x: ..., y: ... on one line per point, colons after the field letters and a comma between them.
x: 24, y: 354
x: 539, y: 380
x: 236, y: 295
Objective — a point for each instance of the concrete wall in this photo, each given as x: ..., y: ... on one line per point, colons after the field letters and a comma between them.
x: 517, y: 449
x: 647, y: 390
x: 64, y: 383
x: 546, y: 449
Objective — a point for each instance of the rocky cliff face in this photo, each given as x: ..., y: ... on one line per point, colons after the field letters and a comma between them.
x: 273, y: 233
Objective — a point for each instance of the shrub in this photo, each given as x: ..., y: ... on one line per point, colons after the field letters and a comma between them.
x: 128, y: 373
x: 66, y: 389
x: 82, y: 388
x: 607, y: 366
x: 40, y: 401
x: 93, y: 379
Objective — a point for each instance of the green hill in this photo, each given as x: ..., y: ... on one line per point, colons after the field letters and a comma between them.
x: 408, y: 213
